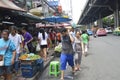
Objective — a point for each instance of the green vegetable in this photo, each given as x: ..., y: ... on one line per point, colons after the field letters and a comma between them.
x: 58, y: 48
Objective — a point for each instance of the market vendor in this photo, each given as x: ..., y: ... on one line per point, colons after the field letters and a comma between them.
x: 27, y: 39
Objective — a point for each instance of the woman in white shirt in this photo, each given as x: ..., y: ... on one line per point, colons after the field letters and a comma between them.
x: 43, y: 38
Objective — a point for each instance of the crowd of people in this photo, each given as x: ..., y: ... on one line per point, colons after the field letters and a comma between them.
x: 12, y: 43
x: 15, y: 41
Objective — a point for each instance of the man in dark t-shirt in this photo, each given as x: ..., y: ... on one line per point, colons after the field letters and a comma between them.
x: 67, y: 52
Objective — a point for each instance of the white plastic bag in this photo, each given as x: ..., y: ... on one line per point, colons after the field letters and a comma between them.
x: 38, y: 47
x: 26, y: 48
x: 76, y: 56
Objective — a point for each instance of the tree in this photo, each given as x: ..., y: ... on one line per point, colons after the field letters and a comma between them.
x: 108, y: 21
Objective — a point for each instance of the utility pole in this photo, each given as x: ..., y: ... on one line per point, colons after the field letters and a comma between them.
x: 26, y: 5
x: 71, y: 9
x: 43, y: 6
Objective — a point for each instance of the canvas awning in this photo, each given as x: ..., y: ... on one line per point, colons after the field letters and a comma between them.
x: 37, y: 11
x: 9, y: 5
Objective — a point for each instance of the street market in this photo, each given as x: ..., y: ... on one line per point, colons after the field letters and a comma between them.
x: 59, y: 39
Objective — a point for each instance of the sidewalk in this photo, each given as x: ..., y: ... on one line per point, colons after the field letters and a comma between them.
x: 68, y: 74
x: 36, y: 77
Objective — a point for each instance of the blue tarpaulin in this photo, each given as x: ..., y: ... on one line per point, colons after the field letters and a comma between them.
x: 57, y: 19
x: 53, y: 3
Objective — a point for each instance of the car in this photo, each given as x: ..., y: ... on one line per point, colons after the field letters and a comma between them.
x: 117, y: 31
x: 89, y: 32
x: 101, y: 32
x: 108, y: 30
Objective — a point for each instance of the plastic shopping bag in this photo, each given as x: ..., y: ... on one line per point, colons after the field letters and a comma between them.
x: 38, y: 47
x: 26, y: 48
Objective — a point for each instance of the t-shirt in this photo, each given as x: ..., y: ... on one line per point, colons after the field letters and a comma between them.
x: 58, y: 36
x: 52, y: 36
x: 67, y: 45
x: 17, y: 41
x: 78, y: 47
x: 27, y: 37
x: 9, y: 54
x: 85, y: 38
x: 43, y: 41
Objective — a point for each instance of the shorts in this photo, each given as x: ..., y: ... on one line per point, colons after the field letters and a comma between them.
x: 43, y: 46
x: 53, y: 41
x: 17, y: 57
x: 66, y: 58
x: 59, y: 41
x: 5, y: 70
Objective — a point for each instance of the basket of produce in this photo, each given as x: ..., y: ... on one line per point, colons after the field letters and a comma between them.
x: 29, y: 59
x: 58, y: 50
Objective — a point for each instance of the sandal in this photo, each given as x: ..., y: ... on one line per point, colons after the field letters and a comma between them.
x: 61, y: 79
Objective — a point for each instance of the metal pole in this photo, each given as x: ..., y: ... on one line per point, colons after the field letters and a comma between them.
x: 117, y: 13
x: 25, y: 4
x: 71, y: 9
x: 43, y: 6
x: 100, y: 21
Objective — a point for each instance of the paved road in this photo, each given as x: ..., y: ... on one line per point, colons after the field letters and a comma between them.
x: 102, y: 63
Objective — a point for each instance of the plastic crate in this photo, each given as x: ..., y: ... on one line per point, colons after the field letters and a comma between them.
x: 28, y: 63
x: 28, y: 72
x: 40, y: 64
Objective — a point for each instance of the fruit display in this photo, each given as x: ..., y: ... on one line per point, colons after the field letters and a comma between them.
x: 23, y: 57
x: 29, y: 57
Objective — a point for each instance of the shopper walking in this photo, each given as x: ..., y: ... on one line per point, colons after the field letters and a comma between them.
x: 85, y: 40
x: 7, y: 53
x: 72, y: 33
x: 16, y: 38
x: 43, y: 41
x: 52, y: 35
x: 78, y: 51
x: 58, y: 37
x: 28, y: 40
x: 67, y: 52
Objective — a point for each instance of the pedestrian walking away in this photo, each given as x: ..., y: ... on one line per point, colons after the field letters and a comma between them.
x: 52, y: 35
x: 58, y: 37
x: 43, y: 41
x: 85, y: 41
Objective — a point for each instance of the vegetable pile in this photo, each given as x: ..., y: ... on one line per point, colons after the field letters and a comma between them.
x: 58, y: 48
x: 29, y: 57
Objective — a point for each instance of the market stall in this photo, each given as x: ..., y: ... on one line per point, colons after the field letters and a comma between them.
x: 31, y: 64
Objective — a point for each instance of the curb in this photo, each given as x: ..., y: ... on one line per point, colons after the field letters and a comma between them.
x: 45, y: 66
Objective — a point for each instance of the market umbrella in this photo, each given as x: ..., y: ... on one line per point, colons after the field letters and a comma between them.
x: 57, y: 19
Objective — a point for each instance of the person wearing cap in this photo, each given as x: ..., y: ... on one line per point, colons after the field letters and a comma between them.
x: 67, y: 52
